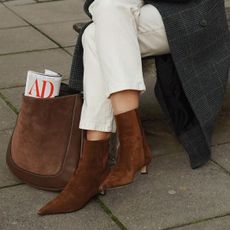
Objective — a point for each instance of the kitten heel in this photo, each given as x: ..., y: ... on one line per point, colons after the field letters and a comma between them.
x: 144, y: 169
x: 102, y: 192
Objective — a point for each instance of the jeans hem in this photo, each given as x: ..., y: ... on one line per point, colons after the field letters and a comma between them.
x: 137, y: 86
x: 93, y: 125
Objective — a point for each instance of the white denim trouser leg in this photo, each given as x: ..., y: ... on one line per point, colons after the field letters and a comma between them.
x: 122, y: 32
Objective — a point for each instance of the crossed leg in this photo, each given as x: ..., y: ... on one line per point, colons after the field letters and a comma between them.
x: 121, y: 34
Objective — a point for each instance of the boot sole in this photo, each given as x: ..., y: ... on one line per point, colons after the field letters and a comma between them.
x: 143, y: 171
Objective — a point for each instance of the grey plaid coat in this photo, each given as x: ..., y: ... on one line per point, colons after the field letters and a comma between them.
x: 197, y: 66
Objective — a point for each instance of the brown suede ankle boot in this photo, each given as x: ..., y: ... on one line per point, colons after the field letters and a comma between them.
x: 133, y: 154
x: 147, y: 149
x: 84, y: 184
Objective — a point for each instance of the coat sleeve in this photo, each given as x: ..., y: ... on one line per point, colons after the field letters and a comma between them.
x: 86, y: 7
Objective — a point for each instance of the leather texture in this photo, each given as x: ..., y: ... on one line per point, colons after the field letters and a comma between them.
x: 45, y: 145
x: 83, y: 185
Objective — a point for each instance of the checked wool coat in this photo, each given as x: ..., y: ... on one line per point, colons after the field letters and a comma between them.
x: 192, y: 79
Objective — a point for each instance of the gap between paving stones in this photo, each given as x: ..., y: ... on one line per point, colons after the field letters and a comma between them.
x: 196, y: 222
x: 8, y: 103
x: 43, y: 24
x: 12, y: 87
x: 65, y: 78
x: 107, y: 210
x: 122, y: 226
x: 18, y: 86
x: 221, y: 167
x: 11, y: 186
x: 102, y: 205
x: 51, y: 23
x: 33, y: 26
x: 14, y: 109
x: 78, y: 20
x: 59, y: 22
x: 35, y: 1
x: 100, y: 202
x: 29, y: 51
x: 24, y: 4
x: 13, y: 27
x: 44, y: 1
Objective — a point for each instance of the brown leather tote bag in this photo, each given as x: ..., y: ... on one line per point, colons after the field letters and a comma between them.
x: 45, y: 145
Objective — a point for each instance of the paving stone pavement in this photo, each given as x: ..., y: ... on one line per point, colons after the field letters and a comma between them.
x: 37, y: 34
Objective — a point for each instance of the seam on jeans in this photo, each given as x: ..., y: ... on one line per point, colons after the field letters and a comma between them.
x: 96, y: 125
x: 101, y: 129
x: 110, y: 111
x: 106, y: 112
x: 136, y: 87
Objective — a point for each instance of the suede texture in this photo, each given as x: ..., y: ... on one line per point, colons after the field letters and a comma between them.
x: 133, y: 151
x: 38, y: 131
x: 83, y: 185
x: 44, y: 148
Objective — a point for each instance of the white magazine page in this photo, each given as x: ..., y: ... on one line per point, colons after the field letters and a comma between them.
x: 40, y: 85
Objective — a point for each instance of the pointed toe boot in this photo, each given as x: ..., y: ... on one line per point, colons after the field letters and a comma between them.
x: 84, y: 183
x: 133, y: 153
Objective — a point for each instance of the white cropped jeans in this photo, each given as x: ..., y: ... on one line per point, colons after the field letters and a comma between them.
x: 122, y: 32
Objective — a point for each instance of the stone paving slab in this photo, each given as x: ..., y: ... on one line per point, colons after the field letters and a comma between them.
x: 14, y: 95
x: 14, y: 67
x: 6, y: 177
x: 160, y: 138
x: 221, y: 155
x: 158, y: 131
x: 7, y: 116
x: 229, y: 72
x: 58, y: 11
x: 70, y: 50
x: 158, y: 134
x: 18, y: 2
x: 19, y: 211
x: 222, y: 223
x: 23, y: 39
x: 171, y: 194
x: 62, y: 33
x: 227, y: 3
x: 8, y: 19
x: 226, y: 104
x: 149, y: 106
x: 221, y: 132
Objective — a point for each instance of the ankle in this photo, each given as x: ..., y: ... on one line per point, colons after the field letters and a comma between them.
x: 125, y: 110
x: 94, y: 135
